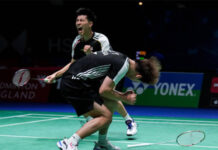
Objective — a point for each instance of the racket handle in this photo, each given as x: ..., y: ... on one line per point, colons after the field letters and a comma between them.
x: 46, y: 81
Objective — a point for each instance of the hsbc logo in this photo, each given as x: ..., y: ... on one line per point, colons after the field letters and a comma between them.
x: 214, y: 85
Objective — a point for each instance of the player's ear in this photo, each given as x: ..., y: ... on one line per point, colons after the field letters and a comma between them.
x: 90, y: 23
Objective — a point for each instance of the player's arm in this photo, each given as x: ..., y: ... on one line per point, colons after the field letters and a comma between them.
x: 59, y: 73
x: 107, y: 91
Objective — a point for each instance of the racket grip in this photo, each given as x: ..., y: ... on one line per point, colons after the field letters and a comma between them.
x: 46, y: 81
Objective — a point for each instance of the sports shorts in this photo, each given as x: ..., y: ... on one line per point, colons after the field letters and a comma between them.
x: 81, y: 97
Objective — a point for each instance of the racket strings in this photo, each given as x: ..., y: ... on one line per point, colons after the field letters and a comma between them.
x: 21, y: 77
x: 187, y: 138
x: 190, y: 138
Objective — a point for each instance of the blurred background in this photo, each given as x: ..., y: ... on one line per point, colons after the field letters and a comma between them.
x: 183, y: 34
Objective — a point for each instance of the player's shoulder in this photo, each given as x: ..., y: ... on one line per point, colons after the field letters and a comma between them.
x: 76, y: 40
x: 99, y: 36
x: 78, y: 37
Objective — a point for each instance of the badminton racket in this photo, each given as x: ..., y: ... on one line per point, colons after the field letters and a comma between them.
x: 22, y: 76
x: 188, y: 138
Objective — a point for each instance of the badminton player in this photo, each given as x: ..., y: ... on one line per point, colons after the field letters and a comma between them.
x: 82, y: 87
x: 87, y: 42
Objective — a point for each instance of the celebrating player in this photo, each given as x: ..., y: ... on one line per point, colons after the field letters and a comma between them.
x: 85, y: 43
x: 81, y: 87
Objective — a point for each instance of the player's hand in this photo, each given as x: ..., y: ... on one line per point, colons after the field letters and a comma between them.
x: 131, y: 97
x: 50, y: 79
x: 88, y: 49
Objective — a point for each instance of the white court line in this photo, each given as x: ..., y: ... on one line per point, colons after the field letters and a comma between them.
x: 182, y: 123
x: 70, y: 117
x: 150, y: 122
x: 16, y: 116
x: 76, y: 118
x: 172, y: 120
x: 87, y: 140
x: 156, y: 122
x: 50, y: 115
x: 143, y: 119
x: 52, y: 138
x: 195, y: 123
x: 199, y: 146
x: 29, y: 137
x: 36, y: 121
x: 45, y: 117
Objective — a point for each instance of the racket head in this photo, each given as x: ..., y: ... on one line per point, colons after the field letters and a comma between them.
x: 190, y: 138
x: 21, y: 77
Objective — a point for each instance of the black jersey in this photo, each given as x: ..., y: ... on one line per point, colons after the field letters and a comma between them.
x: 98, y: 42
x: 93, y: 67
x: 81, y: 82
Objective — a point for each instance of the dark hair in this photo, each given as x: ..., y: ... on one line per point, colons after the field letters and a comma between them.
x: 86, y: 11
x: 149, y: 69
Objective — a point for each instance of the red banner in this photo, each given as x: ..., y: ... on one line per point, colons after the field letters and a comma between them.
x: 214, y: 85
x: 33, y: 91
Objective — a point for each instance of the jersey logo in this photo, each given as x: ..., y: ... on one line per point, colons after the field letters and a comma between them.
x: 94, y: 72
x: 75, y: 78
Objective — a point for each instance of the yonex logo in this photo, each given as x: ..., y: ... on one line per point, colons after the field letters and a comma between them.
x: 176, y: 89
x: 138, y: 87
x: 165, y: 88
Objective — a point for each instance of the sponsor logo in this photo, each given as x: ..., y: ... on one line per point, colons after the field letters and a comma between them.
x: 214, y: 85
x: 175, y: 89
x: 138, y: 87
x: 75, y: 78
x: 165, y: 88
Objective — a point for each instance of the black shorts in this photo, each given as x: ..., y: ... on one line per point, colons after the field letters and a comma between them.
x: 81, y: 97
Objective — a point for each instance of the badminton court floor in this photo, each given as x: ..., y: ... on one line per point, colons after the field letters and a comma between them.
x: 40, y: 130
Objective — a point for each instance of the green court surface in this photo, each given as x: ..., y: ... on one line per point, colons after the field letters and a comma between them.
x: 27, y: 130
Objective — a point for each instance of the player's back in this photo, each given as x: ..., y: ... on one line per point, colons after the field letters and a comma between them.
x: 97, y: 65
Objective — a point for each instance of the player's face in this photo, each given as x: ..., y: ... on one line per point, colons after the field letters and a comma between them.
x: 83, y: 25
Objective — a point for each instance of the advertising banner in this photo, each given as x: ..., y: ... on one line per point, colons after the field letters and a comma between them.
x: 33, y: 91
x: 214, y: 91
x: 173, y: 90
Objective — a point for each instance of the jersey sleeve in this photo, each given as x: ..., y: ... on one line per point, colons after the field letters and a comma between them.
x: 118, y: 71
x: 75, y: 42
x: 105, y: 44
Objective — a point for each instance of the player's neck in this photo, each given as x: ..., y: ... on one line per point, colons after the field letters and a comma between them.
x: 131, y: 70
x: 87, y: 36
x: 132, y: 74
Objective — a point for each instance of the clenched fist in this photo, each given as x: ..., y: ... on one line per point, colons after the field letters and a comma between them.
x: 87, y: 49
x: 130, y: 97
